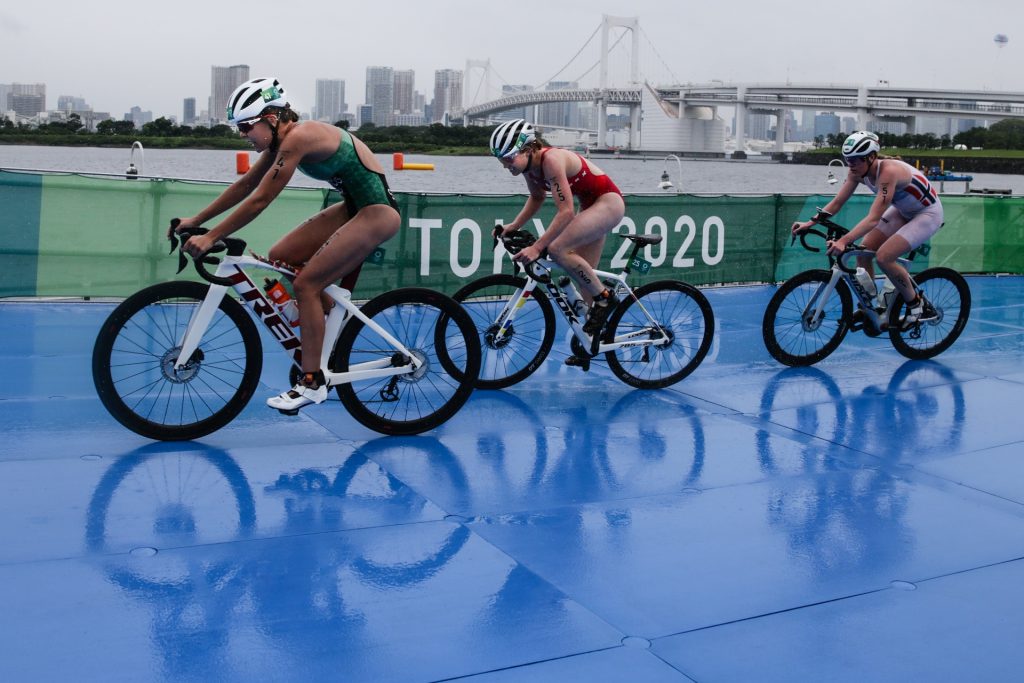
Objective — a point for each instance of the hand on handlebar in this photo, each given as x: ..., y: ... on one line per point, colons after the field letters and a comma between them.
x: 801, y: 227
x: 527, y: 255
x: 197, y: 245
x: 838, y: 246
x: 179, y: 224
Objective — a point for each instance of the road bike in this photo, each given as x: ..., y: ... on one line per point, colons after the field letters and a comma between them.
x: 810, y: 314
x: 657, y: 334
x: 179, y: 360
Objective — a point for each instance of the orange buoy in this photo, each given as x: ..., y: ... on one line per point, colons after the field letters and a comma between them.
x: 242, y: 163
x: 398, y: 161
x: 417, y: 167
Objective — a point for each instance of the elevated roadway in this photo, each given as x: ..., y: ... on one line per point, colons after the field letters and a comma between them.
x: 868, y: 103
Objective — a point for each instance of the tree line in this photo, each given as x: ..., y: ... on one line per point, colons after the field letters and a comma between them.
x: 381, y: 138
x: 1005, y: 134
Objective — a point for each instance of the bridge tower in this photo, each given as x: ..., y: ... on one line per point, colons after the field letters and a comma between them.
x: 607, y: 24
x: 477, y: 75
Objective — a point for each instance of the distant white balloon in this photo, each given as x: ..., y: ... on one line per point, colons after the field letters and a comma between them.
x: 1001, y: 39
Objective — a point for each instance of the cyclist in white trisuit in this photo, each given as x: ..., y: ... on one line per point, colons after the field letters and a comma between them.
x: 905, y: 214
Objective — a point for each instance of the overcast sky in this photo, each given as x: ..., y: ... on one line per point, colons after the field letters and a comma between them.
x: 153, y: 55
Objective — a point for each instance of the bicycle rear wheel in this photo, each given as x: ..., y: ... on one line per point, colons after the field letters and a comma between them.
x: 133, y: 363
x: 678, y: 309
x: 790, y: 334
x: 950, y: 297
x: 525, y: 343
x: 424, y: 321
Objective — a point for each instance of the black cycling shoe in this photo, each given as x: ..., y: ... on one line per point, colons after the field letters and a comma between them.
x: 579, y: 362
x: 599, y: 313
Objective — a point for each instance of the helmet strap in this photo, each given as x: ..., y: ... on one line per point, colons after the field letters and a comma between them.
x: 529, y: 162
x: 274, y: 140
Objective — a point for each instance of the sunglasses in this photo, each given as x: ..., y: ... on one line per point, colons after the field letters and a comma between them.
x: 850, y: 161
x: 245, y: 126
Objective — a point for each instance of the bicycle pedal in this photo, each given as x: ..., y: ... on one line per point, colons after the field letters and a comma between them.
x: 578, y: 362
x: 290, y: 413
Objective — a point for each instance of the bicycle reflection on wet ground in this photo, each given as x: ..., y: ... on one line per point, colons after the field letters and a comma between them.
x: 858, y: 520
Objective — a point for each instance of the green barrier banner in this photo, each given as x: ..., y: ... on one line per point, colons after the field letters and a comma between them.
x: 70, y: 235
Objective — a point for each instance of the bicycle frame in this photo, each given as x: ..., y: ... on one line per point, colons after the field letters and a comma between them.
x: 840, y: 271
x: 232, y: 268
x: 642, y: 337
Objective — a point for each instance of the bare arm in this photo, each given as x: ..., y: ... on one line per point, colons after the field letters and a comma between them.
x: 565, y: 211
x: 281, y: 167
x: 238, y: 191
x: 845, y: 192
x: 887, y: 178
x: 532, y: 205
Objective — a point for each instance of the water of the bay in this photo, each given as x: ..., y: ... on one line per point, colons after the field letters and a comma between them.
x: 475, y: 175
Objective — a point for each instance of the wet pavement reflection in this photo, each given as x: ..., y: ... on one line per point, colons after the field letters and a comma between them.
x: 860, y: 519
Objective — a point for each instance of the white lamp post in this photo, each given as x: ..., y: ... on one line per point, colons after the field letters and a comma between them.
x: 831, y: 178
x: 665, y: 183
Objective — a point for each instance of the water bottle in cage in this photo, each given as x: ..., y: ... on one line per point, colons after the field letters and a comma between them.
x: 285, y: 303
x: 576, y: 302
x: 886, y: 294
x: 867, y: 282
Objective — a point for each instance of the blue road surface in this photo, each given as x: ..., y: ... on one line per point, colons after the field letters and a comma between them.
x: 860, y: 520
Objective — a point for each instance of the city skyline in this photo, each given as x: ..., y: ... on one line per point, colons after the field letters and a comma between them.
x: 108, y: 66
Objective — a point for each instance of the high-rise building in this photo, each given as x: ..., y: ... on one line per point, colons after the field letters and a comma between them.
x: 223, y: 81
x: 139, y: 117
x: 330, y: 99
x: 826, y: 123
x: 507, y: 91
x: 72, y: 103
x: 365, y: 114
x: 405, y: 86
x: 27, y: 99
x: 447, y: 93
x: 759, y: 126
x: 189, y: 111
x: 380, y: 93
x: 559, y: 114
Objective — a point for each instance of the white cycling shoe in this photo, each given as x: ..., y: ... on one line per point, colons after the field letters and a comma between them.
x: 297, y: 397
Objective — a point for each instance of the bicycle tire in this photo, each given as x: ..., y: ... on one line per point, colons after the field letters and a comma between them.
x: 680, y: 309
x: 131, y: 363
x: 948, y: 293
x: 525, y: 345
x: 789, y: 338
x: 415, y: 402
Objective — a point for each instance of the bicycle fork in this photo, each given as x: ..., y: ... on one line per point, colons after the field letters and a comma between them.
x: 265, y: 310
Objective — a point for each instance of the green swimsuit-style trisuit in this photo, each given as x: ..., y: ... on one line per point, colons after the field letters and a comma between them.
x: 344, y: 171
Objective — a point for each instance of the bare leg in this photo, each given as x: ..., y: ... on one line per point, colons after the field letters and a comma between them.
x: 332, y: 245
x: 578, y: 248
x: 886, y: 256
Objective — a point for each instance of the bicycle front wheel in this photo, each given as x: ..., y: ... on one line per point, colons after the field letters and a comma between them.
x: 674, y: 308
x: 950, y: 297
x: 520, y: 349
x: 133, y: 363
x: 792, y: 333
x: 424, y: 322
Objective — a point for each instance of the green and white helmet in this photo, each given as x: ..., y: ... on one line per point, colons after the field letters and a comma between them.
x: 510, y: 137
x: 860, y: 144
x: 250, y: 99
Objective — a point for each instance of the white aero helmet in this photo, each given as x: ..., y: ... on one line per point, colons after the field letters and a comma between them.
x: 250, y: 99
x: 860, y: 144
x: 510, y: 137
